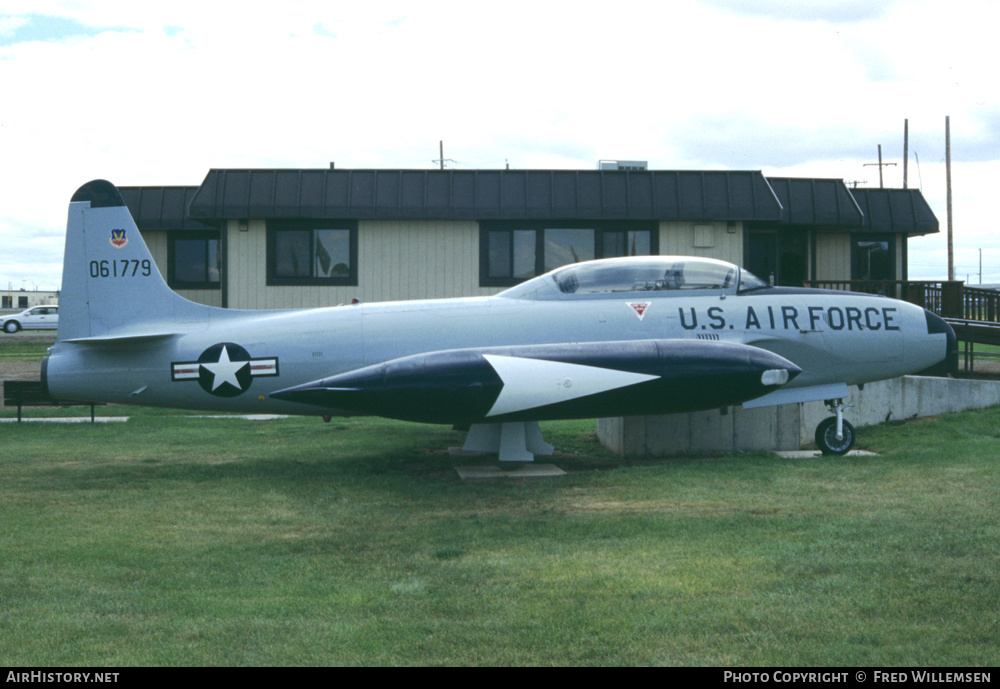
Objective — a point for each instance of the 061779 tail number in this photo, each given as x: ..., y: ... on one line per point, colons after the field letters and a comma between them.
x: 121, y: 268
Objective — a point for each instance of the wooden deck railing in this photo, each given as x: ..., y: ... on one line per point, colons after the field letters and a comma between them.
x: 950, y: 299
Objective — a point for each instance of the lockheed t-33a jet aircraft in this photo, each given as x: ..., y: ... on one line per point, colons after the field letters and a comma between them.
x: 613, y: 337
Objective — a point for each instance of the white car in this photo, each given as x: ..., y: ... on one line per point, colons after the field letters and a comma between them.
x: 37, y: 317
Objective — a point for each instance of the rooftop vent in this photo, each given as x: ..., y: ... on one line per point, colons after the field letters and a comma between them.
x: 622, y: 165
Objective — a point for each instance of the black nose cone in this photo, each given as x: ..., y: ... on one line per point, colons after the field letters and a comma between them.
x: 935, y: 325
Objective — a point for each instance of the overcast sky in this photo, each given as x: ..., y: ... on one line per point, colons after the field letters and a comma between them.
x: 157, y: 93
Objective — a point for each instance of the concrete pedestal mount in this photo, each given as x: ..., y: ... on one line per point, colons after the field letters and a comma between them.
x: 790, y: 426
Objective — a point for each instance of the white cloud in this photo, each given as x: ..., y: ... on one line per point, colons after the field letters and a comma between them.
x: 158, y: 93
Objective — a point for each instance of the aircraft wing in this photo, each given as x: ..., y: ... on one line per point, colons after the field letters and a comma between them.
x: 811, y: 393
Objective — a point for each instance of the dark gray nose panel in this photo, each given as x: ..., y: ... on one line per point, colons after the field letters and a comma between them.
x: 936, y: 325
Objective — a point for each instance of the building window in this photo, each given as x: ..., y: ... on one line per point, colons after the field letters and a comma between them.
x: 511, y: 252
x: 312, y: 254
x: 193, y: 260
x: 627, y: 243
x: 568, y: 245
x: 874, y: 258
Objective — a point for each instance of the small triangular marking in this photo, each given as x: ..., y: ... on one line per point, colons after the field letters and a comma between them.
x: 639, y: 307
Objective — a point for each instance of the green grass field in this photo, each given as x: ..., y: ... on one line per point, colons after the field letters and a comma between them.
x: 25, y: 348
x: 169, y: 540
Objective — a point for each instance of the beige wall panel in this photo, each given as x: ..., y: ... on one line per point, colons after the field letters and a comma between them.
x: 833, y: 256
x: 210, y: 297
x: 397, y: 260
x: 418, y: 260
x: 246, y: 269
x: 684, y: 238
x: 235, y: 265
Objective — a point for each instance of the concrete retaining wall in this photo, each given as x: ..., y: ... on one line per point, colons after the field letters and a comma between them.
x: 790, y: 426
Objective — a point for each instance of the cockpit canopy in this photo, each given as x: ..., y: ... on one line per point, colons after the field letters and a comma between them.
x: 667, y: 275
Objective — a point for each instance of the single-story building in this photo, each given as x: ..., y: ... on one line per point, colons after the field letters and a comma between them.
x: 266, y: 239
x: 18, y: 300
x: 270, y: 238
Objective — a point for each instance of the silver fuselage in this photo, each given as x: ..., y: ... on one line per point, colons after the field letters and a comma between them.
x: 850, y: 338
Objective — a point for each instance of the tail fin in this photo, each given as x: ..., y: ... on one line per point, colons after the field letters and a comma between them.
x: 111, y: 286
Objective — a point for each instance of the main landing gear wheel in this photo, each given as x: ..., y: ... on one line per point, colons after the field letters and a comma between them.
x: 827, y: 440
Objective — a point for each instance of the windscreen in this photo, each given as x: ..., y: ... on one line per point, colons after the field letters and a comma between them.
x: 749, y: 281
x: 644, y: 276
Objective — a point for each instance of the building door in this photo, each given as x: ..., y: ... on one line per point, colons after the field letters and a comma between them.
x: 762, y: 256
x: 780, y: 257
x: 792, y: 257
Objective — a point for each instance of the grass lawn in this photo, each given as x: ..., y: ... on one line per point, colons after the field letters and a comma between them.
x: 25, y: 347
x: 170, y: 540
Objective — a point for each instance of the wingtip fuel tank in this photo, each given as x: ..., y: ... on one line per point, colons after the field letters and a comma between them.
x: 540, y: 382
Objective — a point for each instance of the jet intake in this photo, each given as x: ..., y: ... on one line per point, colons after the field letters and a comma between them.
x: 558, y: 381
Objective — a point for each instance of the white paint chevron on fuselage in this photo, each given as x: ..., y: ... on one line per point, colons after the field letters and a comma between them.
x: 564, y: 382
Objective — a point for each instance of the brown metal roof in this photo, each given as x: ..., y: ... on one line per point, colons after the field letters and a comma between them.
x: 895, y: 210
x: 816, y: 202
x: 161, y: 208
x: 485, y: 194
x: 530, y: 195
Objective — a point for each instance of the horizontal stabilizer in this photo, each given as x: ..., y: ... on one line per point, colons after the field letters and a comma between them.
x: 122, y: 339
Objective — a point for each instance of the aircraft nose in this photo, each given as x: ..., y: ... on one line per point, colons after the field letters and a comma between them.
x: 936, y: 325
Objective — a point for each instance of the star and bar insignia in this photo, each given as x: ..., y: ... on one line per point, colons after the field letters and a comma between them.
x: 224, y: 370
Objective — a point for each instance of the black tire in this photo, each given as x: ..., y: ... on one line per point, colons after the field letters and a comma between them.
x: 11, y: 327
x: 826, y: 437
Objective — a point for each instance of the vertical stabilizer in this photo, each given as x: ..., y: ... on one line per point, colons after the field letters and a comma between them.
x: 111, y: 286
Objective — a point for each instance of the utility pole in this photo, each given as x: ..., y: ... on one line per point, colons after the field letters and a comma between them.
x: 906, y: 149
x: 880, y: 166
x: 880, y: 184
x: 947, y: 167
x: 441, y: 160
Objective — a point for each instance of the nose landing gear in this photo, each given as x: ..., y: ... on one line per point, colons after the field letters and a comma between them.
x: 834, y: 435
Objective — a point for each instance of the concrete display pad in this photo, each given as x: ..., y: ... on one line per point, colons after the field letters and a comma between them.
x: 482, y: 473
x: 808, y: 454
x: 67, y: 419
